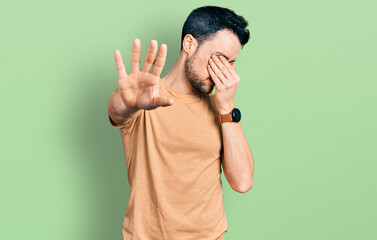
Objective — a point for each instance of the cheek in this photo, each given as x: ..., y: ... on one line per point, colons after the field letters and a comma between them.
x: 202, y: 69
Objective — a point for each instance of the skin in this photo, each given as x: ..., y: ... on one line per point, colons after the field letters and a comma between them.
x: 198, y: 70
x: 193, y: 73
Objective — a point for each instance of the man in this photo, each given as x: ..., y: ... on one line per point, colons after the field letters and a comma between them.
x: 176, y: 132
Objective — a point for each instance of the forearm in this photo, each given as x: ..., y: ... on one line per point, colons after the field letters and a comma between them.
x: 238, y: 161
x: 117, y: 109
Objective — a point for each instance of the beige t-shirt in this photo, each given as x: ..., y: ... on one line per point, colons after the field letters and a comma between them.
x: 173, y: 158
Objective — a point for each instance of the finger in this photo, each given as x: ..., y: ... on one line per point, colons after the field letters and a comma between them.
x: 233, y: 71
x: 160, y: 61
x: 135, y: 62
x: 225, y: 67
x: 227, y: 70
x: 149, y: 59
x: 217, y: 72
x: 162, y: 101
x: 120, y: 65
x: 215, y: 79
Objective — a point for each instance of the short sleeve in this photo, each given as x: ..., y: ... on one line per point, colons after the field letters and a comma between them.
x: 128, y: 123
x: 114, y: 124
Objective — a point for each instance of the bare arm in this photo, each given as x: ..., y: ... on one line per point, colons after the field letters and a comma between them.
x: 237, y: 159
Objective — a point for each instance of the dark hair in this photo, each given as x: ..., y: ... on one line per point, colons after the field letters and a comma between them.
x: 204, y: 22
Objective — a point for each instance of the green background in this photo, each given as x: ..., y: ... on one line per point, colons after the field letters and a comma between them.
x: 307, y: 96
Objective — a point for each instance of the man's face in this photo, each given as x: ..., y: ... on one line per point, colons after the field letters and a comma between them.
x: 224, y: 43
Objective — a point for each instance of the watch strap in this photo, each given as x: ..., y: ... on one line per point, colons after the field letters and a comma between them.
x: 225, y: 117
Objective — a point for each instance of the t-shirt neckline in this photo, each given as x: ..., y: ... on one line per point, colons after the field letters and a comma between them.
x: 188, y: 98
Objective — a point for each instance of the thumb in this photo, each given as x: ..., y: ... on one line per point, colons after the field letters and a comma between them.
x: 162, y: 101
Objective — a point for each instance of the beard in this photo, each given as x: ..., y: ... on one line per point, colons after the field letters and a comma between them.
x: 199, y: 85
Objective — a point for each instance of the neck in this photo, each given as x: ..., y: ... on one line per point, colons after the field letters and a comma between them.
x: 176, y: 77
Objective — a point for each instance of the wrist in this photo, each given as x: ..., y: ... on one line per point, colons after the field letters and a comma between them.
x: 227, y: 109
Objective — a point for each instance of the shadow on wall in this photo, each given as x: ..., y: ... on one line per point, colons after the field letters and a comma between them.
x: 102, y: 165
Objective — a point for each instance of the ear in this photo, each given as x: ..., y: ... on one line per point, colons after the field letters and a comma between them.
x: 189, y: 44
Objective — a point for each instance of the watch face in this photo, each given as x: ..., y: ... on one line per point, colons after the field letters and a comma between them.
x: 236, y: 115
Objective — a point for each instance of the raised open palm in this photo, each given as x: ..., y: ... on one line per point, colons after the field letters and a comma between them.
x: 140, y: 89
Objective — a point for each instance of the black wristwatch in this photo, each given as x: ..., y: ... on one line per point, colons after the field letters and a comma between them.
x: 233, y: 116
